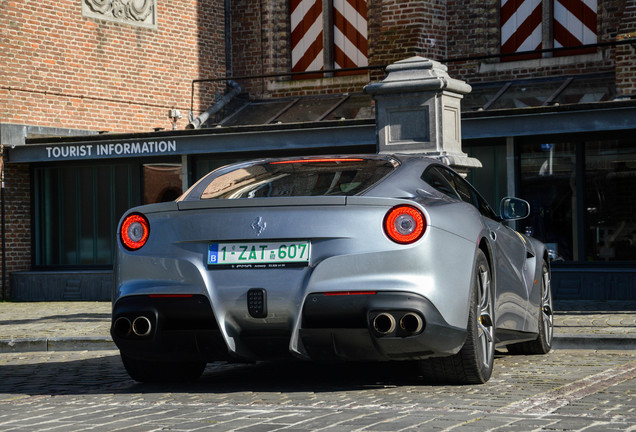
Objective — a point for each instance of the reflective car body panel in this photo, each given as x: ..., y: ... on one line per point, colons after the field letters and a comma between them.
x: 327, y: 307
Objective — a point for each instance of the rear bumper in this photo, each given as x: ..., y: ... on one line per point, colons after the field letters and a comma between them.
x: 331, y: 328
x: 342, y: 328
x: 180, y: 328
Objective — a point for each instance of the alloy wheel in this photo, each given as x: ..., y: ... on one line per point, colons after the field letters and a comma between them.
x: 485, y: 322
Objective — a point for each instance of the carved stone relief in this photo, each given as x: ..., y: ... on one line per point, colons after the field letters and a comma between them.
x: 141, y: 13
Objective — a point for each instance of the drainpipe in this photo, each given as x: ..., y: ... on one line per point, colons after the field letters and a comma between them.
x: 2, y: 222
x: 197, y: 122
x: 228, y: 39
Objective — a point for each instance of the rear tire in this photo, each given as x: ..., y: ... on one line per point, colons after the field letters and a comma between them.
x: 473, y: 364
x: 146, y: 371
x: 543, y: 343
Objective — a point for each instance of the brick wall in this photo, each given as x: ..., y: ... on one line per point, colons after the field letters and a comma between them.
x: 18, y: 221
x: 260, y: 41
x: 261, y: 46
x: 61, y: 69
x: 626, y: 54
x: 404, y: 28
x: 473, y: 30
x: 398, y: 29
x: 467, y: 28
x: 247, y: 47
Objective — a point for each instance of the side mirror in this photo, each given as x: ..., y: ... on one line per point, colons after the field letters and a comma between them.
x: 513, y: 209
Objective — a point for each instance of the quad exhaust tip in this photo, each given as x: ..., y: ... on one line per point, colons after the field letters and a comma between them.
x: 384, y: 323
x: 411, y: 323
x: 398, y: 323
x: 122, y: 327
x: 141, y: 326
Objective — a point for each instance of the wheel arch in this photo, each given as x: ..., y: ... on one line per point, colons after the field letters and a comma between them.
x: 486, y: 248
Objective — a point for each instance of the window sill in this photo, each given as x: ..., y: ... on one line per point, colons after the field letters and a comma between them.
x: 347, y: 80
x: 540, y: 63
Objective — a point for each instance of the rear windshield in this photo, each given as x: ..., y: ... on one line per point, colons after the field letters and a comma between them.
x: 302, y: 177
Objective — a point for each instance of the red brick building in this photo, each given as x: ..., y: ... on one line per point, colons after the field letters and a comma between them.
x: 87, y: 89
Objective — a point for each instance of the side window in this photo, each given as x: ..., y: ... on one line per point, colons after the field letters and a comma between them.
x: 485, y: 209
x: 464, y: 191
x: 453, y: 185
x: 437, y: 180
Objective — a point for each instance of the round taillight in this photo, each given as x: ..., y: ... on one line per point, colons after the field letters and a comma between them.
x: 404, y: 224
x: 134, y: 231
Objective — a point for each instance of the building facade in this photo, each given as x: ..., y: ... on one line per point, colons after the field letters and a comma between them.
x: 91, y: 91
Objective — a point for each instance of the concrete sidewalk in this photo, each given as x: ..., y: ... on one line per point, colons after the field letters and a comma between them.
x: 74, y: 326
x: 55, y: 326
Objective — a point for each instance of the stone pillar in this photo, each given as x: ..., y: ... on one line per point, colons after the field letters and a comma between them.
x: 418, y: 111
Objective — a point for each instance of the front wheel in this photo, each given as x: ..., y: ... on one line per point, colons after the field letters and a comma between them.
x: 162, y: 371
x: 473, y: 364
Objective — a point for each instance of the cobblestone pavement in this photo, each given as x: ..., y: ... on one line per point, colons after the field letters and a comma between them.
x: 567, y: 390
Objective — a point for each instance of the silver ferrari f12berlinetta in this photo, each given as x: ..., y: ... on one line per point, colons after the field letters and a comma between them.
x: 369, y: 258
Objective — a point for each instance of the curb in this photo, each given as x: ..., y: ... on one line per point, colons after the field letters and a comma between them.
x: 592, y: 341
x: 561, y: 341
x: 57, y: 344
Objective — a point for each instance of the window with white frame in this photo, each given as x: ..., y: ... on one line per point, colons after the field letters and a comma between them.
x: 531, y: 25
x: 328, y: 34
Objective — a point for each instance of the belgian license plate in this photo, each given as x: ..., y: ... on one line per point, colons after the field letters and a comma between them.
x: 259, y: 255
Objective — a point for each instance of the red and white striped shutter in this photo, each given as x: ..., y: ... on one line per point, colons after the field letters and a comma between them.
x: 521, y: 28
x: 306, y: 35
x: 350, y: 33
x: 574, y: 24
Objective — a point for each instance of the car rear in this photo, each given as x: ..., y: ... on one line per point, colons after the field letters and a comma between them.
x: 342, y: 276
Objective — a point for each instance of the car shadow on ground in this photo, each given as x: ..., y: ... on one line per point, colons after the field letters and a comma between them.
x: 106, y: 374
